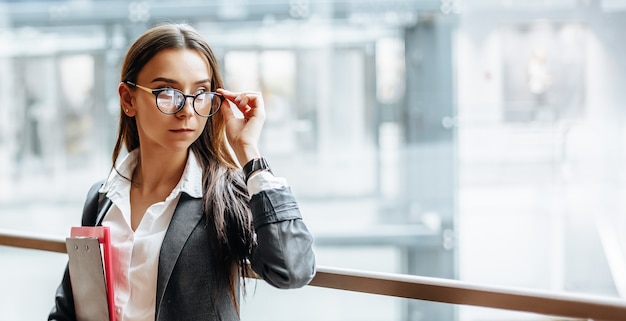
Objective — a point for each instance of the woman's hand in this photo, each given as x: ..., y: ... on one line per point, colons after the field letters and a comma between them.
x: 243, y: 133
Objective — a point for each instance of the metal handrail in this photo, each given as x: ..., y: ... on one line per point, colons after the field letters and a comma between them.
x: 28, y: 240
x: 416, y: 287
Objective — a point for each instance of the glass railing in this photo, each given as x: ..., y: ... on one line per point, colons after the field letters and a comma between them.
x: 557, y: 304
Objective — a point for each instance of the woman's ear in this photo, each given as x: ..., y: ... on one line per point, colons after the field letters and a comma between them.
x: 126, y: 100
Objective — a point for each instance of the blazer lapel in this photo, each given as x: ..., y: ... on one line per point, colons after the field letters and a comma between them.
x: 104, y: 203
x: 186, y: 216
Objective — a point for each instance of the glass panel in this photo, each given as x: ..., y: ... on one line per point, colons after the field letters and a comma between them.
x: 32, y: 277
x: 313, y: 303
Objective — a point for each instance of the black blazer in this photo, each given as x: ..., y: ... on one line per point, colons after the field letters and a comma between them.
x: 186, y: 280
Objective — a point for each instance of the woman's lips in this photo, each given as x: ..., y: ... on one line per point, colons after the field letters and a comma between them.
x: 182, y: 130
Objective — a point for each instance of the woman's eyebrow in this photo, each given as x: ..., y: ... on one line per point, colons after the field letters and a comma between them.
x: 203, y: 81
x: 166, y: 80
x: 172, y: 81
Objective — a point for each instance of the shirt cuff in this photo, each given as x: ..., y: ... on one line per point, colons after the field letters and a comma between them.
x: 264, y: 180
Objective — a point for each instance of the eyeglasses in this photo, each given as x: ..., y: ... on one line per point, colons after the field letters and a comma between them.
x: 170, y: 101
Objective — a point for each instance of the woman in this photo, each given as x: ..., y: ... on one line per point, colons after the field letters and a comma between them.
x: 184, y: 218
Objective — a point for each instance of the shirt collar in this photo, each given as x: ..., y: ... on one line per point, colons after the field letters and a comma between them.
x: 190, y: 182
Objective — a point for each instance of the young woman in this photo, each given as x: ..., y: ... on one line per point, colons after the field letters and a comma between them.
x: 185, y: 219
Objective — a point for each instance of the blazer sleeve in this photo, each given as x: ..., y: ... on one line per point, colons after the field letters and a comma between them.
x: 63, y: 309
x: 283, y: 255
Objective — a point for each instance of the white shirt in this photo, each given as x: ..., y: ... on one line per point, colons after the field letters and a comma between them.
x: 137, y: 252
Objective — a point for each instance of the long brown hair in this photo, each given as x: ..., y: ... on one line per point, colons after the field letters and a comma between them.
x: 225, y: 194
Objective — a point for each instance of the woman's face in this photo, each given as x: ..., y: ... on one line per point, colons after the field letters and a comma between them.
x: 183, y: 69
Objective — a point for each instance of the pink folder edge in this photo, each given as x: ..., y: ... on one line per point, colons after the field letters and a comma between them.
x: 104, y: 237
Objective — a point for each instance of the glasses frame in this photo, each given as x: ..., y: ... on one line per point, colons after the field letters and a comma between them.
x: 156, y: 93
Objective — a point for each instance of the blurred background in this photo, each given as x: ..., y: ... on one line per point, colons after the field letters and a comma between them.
x: 480, y: 140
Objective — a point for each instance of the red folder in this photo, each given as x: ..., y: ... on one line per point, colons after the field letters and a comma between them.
x: 89, y: 272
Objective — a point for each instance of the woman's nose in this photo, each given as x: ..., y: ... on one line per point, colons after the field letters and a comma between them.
x: 187, y: 107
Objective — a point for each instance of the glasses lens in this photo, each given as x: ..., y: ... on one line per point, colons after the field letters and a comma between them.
x: 207, y: 104
x: 169, y: 100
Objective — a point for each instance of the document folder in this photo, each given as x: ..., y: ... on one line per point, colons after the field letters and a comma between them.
x: 91, y: 273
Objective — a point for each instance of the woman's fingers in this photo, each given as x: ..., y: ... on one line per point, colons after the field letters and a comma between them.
x: 249, y: 103
x: 243, y: 133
